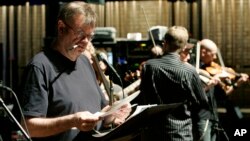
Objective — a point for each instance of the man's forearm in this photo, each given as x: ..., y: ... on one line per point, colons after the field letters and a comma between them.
x: 42, y: 127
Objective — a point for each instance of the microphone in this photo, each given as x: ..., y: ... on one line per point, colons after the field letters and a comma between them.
x: 101, y: 58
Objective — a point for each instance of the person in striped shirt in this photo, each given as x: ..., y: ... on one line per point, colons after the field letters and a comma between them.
x: 168, y: 80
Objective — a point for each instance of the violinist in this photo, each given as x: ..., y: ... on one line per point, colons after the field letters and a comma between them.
x: 155, y: 52
x: 185, y: 57
x: 185, y: 52
x: 226, y: 83
x: 202, y: 122
x: 230, y: 78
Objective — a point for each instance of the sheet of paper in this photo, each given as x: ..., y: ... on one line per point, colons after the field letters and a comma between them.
x: 138, y: 110
x: 118, y: 104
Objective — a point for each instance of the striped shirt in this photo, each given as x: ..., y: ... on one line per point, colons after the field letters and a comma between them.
x: 168, y: 80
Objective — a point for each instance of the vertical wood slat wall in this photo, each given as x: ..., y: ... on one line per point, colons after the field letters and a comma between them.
x: 22, y: 31
x: 224, y: 21
x: 3, y: 37
x: 227, y: 23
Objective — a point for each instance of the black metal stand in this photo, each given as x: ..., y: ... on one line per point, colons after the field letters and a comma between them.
x: 221, y: 129
x: 136, y: 128
x: 111, y: 97
x: 14, y: 119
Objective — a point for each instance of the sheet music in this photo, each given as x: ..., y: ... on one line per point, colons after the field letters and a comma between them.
x: 138, y: 110
x: 118, y: 104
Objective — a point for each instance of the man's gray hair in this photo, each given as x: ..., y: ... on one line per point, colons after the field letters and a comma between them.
x: 69, y: 10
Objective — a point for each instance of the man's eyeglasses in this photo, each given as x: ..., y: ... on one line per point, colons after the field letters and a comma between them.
x: 80, y: 34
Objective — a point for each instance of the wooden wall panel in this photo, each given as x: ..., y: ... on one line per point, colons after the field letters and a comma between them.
x: 226, y: 22
x: 22, y: 33
x: 131, y: 18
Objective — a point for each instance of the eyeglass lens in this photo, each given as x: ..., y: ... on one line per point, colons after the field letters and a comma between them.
x: 80, y: 34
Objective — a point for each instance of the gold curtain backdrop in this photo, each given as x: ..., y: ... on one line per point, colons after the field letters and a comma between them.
x: 226, y: 22
x: 22, y: 31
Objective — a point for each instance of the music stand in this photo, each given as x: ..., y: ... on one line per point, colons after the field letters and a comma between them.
x: 134, y: 126
x: 14, y: 119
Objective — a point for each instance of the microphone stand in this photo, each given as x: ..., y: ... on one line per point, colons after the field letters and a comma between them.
x: 14, y: 119
x: 111, y: 96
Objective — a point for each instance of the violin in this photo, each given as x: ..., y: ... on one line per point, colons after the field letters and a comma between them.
x: 215, y: 69
x: 224, y: 72
x: 206, y: 77
x: 228, y: 76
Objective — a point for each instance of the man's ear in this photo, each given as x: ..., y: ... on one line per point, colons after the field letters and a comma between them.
x: 61, y: 29
x: 60, y: 26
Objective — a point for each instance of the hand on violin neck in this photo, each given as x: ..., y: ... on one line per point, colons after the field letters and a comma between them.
x: 243, y: 79
x: 211, y: 83
x: 229, y: 90
x: 214, y: 81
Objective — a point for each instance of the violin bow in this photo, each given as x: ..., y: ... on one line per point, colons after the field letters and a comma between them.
x: 220, y: 58
x: 197, y: 64
x: 150, y: 32
x: 223, y: 65
x: 203, y: 77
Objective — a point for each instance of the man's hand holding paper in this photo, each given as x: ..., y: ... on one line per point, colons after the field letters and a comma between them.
x: 119, y: 111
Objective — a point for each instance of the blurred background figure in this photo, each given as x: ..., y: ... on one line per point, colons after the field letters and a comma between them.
x: 167, y: 80
x: 156, y: 52
x: 96, y: 57
x: 116, y: 88
x: 186, y: 51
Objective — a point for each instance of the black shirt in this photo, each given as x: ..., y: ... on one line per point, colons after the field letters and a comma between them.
x: 54, y: 86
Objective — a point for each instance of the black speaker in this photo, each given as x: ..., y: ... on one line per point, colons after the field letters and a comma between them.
x: 96, y: 1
